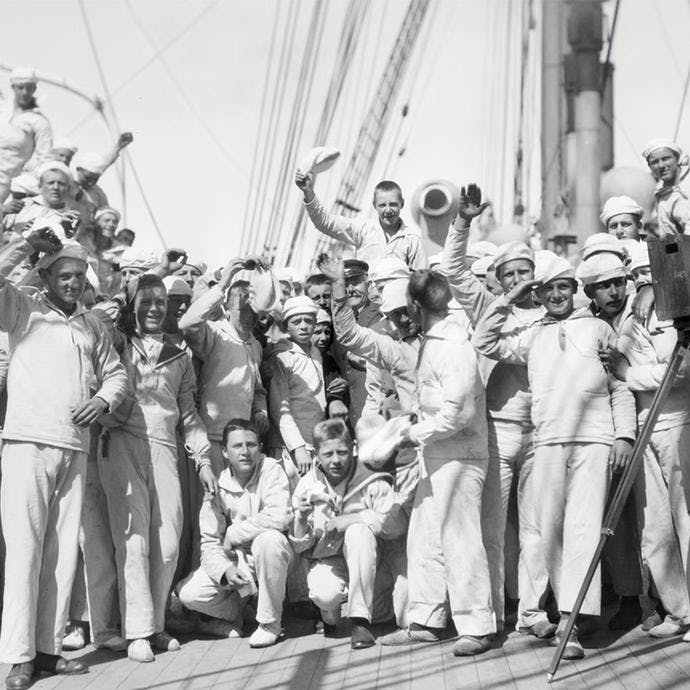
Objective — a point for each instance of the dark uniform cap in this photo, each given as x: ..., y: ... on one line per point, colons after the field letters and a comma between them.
x: 355, y: 267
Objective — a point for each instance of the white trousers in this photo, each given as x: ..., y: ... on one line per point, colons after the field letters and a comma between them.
x: 100, y: 567
x: 40, y: 504
x: 269, y: 560
x: 662, y: 493
x: 346, y: 578
x: 571, y: 481
x: 511, y: 456
x: 142, y: 486
x: 446, y: 560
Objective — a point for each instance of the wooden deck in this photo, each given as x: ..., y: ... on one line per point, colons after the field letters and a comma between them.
x: 306, y: 660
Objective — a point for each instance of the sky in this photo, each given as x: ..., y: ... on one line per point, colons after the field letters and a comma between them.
x: 194, y: 107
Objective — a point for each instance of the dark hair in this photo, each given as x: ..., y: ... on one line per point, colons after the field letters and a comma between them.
x: 126, y: 319
x: 237, y: 425
x: 123, y: 230
x: 388, y: 186
x: 317, y: 279
x: 430, y: 289
x: 331, y: 429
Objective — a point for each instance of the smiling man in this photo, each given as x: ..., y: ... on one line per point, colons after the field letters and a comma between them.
x: 63, y: 374
x: 584, y: 422
x: 50, y: 207
x: 669, y: 166
x: 243, y: 545
x: 372, y: 239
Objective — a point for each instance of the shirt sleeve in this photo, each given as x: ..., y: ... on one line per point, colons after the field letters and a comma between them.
x: 274, y: 512
x: 281, y: 412
x: 196, y: 440
x: 379, y: 349
x: 378, y: 502
x: 489, y: 341
x: 212, y: 526
x: 416, y: 258
x: 680, y: 213
x: 465, y: 287
x: 108, y: 367
x: 339, y: 228
x: 193, y: 324
x: 623, y: 408
x: 14, y: 304
x: 43, y: 142
x: 260, y: 401
x: 647, y: 376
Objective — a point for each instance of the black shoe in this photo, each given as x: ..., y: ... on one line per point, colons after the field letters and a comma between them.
x: 573, y: 649
x: 58, y: 665
x: 361, y: 636
x: 628, y: 615
x: 19, y: 677
x: 329, y: 630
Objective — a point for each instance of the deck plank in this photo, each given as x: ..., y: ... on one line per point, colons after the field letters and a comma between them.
x: 306, y: 660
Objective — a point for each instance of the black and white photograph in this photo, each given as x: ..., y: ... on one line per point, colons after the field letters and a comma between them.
x: 344, y: 344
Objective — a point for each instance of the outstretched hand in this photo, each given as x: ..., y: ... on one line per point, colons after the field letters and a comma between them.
x: 471, y: 204
x: 332, y: 267
x: 43, y: 240
x: 305, y: 182
x: 173, y: 260
x: 124, y: 140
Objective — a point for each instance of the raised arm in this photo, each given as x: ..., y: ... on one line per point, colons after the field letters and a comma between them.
x: 379, y: 349
x: 490, y: 341
x: 465, y: 287
x: 340, y: 228
x: 13, y: 302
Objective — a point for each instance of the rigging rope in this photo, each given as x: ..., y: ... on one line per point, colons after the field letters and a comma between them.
x: 109, y: 100
x: 183, y: 94
x: 353, y: 20
x: 301, y: 101
x: 284, y: 62
x: 125, y: 152
x: 172, y: 41
x: 246, y: 230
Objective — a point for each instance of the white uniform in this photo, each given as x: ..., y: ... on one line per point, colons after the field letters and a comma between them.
x: 229, y: 383
x: 368, y: 237
x: 25, y: 135
x: 577, y: 411
x: 508, y: 402
x: 57, y: 362
x: 251, y: 519
x: 343, y: 568
x: 662, y: 497
x: 445, y: 553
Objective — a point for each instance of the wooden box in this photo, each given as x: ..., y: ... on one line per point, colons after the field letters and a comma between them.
x: 669, y: 260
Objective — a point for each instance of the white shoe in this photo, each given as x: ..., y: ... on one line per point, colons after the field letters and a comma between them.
x: 265, y: 635
x: 686, y: 637
x: 140, y: 650
x: 216, y: 627
x: 164, y: 642
x: 114, y: 644
x: 75, y: 639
